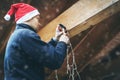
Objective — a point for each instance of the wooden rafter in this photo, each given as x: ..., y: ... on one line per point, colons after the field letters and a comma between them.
x: 81, y: 16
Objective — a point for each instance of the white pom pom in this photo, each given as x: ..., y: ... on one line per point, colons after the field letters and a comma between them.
x: 7, y: 17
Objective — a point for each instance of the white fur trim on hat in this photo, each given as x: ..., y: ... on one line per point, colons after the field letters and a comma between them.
x: 28, y: 16
x: 7, y: 17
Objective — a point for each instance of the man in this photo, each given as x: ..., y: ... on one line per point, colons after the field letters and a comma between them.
x: 26, y: 54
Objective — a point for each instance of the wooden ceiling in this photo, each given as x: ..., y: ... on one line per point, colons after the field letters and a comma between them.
x: 90, y: 34
x: 94, y: 34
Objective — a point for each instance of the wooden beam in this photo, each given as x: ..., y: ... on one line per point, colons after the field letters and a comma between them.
x: 102, y: 15
x: 80, y: 16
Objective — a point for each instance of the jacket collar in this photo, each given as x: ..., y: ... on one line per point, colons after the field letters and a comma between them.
x: 22, y: 25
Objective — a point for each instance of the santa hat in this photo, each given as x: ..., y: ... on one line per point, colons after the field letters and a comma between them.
x: 22, y: 11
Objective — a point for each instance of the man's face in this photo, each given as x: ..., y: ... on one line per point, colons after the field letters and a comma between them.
x: 35, y: 23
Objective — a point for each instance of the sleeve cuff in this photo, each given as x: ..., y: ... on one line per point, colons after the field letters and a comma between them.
x: 54, y: 38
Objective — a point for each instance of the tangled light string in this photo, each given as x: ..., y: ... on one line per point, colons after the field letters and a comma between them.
x: 71, y: 69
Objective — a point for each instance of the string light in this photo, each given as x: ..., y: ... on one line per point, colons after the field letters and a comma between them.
x: 71, y: 69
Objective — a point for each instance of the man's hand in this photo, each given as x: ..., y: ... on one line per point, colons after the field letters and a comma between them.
x: 64, y: 38
x: 58, y: 33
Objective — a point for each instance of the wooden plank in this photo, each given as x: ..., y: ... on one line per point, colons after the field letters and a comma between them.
x: 96, y: 19
x: 76, y: 16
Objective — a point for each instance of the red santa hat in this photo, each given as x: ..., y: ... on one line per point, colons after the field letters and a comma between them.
x: 22, y: 11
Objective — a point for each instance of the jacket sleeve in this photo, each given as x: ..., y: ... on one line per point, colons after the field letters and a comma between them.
x: 45, y: 53
x: 53, y: 42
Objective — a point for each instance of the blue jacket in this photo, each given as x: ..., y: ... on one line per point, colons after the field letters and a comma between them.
x: 27, y: 55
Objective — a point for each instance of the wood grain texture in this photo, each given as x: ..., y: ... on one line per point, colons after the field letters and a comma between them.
x: 77, y: 15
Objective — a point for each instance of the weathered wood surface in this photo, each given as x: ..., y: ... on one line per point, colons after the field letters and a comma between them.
x: 91, y: 44
x: 105, y: 62
x: 81, y: 16
x: 108, y: 48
